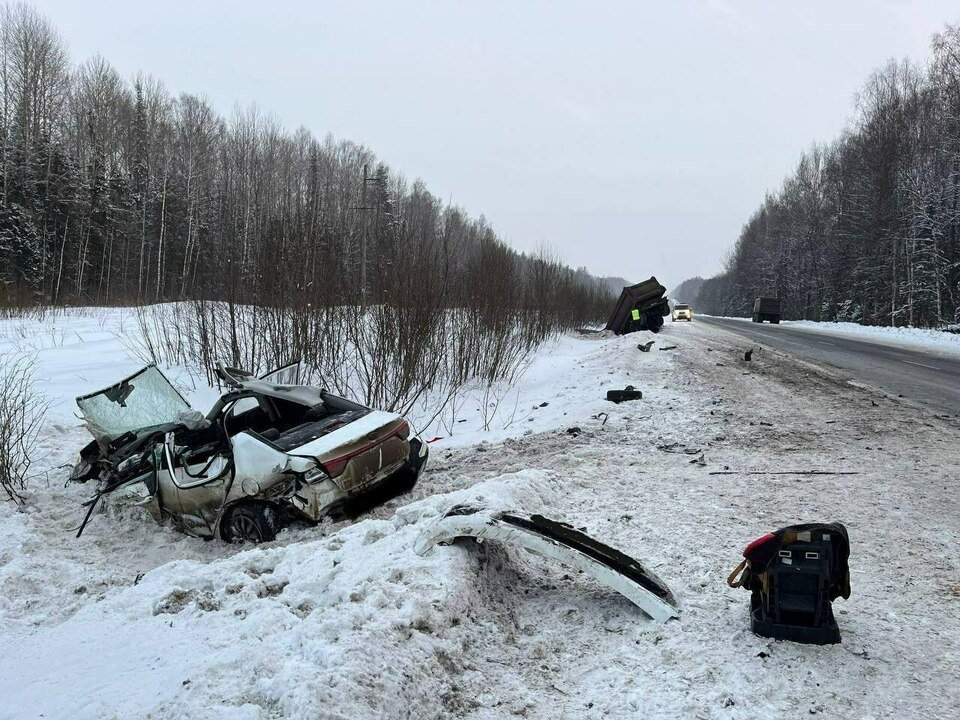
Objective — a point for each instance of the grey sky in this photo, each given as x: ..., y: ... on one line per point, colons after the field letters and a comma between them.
x: 633, y: 137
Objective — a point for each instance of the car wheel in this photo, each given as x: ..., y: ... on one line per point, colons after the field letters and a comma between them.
x: 253, y: 522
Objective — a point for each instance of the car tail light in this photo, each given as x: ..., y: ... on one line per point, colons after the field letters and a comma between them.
x: 336, y: 466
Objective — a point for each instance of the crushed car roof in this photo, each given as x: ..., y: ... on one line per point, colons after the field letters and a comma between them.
x: 147, y: 399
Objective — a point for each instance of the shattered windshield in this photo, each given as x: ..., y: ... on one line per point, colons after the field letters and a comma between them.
x: 141, y: 400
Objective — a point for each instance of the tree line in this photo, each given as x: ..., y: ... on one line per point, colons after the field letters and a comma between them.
x: 119, y: 192
x: 687, y: 291
x: 867, y: 228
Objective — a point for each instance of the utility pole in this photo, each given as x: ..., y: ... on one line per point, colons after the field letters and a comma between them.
x: 363, y: 207
x: 363, y: 243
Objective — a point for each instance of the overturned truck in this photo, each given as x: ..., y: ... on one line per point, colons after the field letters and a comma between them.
x: 640, y: 307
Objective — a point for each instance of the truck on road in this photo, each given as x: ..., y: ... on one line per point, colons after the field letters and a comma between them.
x: 765, y: 308
x: 682, y: 311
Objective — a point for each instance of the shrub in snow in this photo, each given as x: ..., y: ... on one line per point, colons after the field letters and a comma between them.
x: 22, y: 410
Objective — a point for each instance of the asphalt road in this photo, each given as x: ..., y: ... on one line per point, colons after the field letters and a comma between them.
x: 928, y: 377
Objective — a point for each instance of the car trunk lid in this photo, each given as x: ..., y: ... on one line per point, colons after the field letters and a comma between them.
x: 362, y: 450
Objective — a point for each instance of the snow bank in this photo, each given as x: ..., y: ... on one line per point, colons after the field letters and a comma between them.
x: 325, y: 627
x: 329, y: 620
x: 908, y: 337
x: 563, y: 382
x: 922, y: 338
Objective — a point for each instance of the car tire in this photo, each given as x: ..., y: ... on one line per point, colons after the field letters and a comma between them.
x: 251, y: 521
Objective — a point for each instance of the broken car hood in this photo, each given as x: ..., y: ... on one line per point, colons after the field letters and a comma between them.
x: 144, y: 399
x: 561, y: 542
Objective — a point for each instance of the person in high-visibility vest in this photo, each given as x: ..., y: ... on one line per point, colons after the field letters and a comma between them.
x: 634, y: 320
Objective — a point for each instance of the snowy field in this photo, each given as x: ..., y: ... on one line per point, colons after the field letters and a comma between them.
x: 81, y: 351
x: 343, y: 620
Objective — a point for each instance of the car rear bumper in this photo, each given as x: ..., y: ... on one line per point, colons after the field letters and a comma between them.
x: 403, y: 473
x: 396, y: 483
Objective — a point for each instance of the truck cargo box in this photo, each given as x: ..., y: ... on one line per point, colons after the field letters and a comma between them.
x: 766, y: 308
x: 647, y: 298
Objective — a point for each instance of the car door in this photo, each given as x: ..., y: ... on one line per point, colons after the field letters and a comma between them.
x: 196, y: 478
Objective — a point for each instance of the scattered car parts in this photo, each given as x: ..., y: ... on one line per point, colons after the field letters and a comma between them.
x: 793, y: 575
x: 269, y: 450
x: 561, y: 542
x: 628, y: 393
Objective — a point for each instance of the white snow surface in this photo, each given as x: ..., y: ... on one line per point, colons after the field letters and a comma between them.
x: 81, y: 351
x: 329, y: 626
x: 343, y: 620
x: 926, y: 339
x: 921, y: 338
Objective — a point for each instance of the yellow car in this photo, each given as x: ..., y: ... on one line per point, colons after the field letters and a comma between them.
x: 682, y: 312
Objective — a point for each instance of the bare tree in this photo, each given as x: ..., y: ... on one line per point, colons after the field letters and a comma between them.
x: 22, y: 411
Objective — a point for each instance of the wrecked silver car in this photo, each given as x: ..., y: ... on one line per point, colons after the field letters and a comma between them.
x: 560, y: 542
x: 269, y: 451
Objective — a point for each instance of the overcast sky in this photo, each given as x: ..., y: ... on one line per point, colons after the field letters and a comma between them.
x: 634, y: 138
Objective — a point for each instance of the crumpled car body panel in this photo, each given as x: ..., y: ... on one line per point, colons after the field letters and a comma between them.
x: 296, y: 447
x: 560, y: 542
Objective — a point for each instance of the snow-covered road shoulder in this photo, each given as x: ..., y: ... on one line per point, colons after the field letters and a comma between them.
x: 926, y: 339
